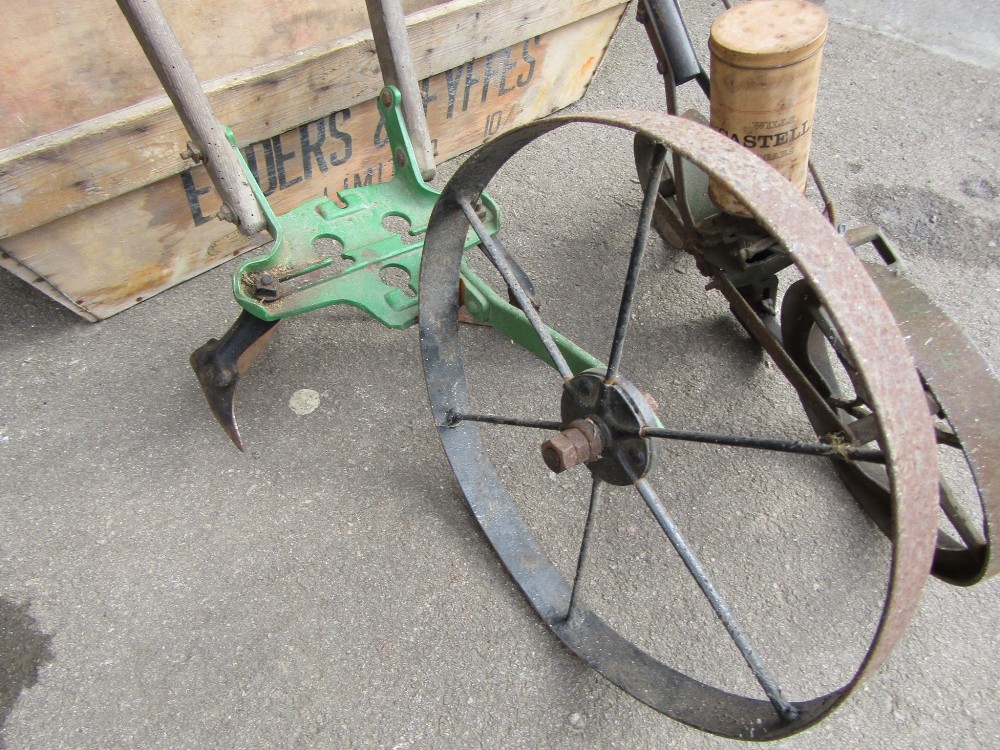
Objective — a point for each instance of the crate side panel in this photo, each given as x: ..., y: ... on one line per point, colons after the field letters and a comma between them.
x: 113, y: 255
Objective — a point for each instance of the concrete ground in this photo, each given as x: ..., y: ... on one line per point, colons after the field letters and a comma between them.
x: 329, y: 589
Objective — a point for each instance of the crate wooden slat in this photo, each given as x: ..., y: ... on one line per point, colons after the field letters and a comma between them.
x: 56, y: 174
x: 106, y: 213
x: 67, y: 62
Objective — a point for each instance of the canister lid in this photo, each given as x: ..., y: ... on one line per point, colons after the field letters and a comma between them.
x: 768, y: 33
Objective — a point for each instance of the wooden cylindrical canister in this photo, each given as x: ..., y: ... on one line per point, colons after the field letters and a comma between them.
x: 765, y: 74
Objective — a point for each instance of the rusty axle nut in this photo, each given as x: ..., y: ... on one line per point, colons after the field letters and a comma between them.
x: 579, y: 443
x: 266, y: 287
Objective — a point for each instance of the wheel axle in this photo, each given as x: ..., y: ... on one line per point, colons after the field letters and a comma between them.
x: 579, y: 443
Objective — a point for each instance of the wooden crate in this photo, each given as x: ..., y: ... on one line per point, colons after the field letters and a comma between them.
x: 105, y: 213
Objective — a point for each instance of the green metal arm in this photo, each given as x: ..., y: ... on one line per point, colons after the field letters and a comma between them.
x: 295, y: 278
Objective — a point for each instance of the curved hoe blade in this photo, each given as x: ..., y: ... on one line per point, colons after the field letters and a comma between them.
x: 220, y: 362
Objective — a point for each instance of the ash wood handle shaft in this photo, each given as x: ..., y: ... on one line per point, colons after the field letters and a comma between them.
x: 393, y: 48
x: 176, y: 75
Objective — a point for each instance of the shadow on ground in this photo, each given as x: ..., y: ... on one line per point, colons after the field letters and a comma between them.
x: 24, y: 650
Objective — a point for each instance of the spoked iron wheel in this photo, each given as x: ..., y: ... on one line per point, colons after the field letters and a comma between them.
x: 605, y: 422
x: 962, y: 402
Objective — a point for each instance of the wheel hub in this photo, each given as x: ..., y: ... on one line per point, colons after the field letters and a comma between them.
x: 603, y: 424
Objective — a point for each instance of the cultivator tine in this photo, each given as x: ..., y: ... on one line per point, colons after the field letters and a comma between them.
x: 220, y: 363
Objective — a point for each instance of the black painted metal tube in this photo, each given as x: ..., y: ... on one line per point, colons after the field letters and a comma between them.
x: 667, y: 24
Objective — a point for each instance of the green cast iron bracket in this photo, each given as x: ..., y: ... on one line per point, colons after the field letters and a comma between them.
x: 297, y: 277
x: 487, y: 307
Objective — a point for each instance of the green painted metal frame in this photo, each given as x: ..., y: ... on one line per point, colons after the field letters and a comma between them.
x: 306, y: 279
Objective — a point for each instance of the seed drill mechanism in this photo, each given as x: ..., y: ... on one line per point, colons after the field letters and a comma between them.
x: 833, y: 336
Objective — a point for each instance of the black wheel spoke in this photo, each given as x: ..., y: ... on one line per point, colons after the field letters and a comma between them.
x: 832, y: 450
x: 651, y: 190
x: 498, y: 257
x: 785, y: 709
x: 519, y: 274
x: 960, y: 521
x: 596, y: 492
x: 455, y: 417
x: 864, y: 429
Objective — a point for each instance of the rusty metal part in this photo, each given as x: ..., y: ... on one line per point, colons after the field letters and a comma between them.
x: 867, y: 330
x: 580, y: 442
x: 688, y: 219
x: 827, y: 423
x: 621, y: 414
x: 961, y: 388
x: 266, y: 287
x: 966, y: 389
x: 193, y: 153
x: 651, y: 401
x: 220, y: 363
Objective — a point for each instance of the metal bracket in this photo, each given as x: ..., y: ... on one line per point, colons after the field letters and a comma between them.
x: 298, y: 277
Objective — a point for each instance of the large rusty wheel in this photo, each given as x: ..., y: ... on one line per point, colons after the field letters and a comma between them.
x: 963, y: 399
x: 962, y: 392
x: 604, y: 422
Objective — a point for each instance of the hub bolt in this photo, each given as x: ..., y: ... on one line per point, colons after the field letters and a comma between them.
x: 579, y: 443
